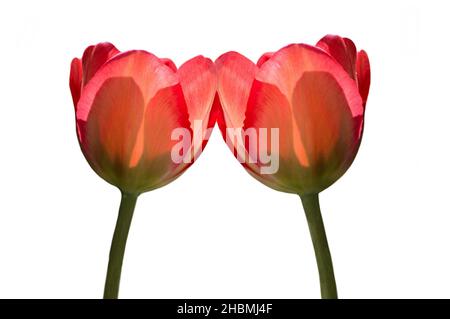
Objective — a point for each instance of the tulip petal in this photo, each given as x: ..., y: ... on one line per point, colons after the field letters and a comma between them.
x: 266, y: 56
x: 112, y: 127
x: 288, y: 65
x: 216, y: 112
x: 165, y: 112
x: 363, y: 75
x: 199, y: 82
x: 269, y: 110
x: 94, y: 57
x: 325, y: 122
x: 220, y: 118
x: 76, y: 75
x: 342, y: 49
x: 235, y: 77
x: 149, y: 73
x: 110, y: 113
x: 169, y: 63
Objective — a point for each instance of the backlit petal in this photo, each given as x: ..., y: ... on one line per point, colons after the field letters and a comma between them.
x: 266, y: 56
x: 199, y: 83
x: 363, y: 75
x: 342, y: 49
x: 110, y: 114
x: 288, y: 65
x: 76, y: 74
x: 165, y: 112
x: 269, y: 109
x: 94, y: 57
x: 235, y: 78
x: 169, y: 63
x: 148, y: 72
x: 326, y: 124
x: 112, y: 127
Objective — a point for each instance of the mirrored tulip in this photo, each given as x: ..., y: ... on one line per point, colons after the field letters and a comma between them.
x: 295, y: 121
x: 128, y: 105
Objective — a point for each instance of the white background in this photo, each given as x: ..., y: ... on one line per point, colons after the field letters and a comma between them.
x: 217, y: 232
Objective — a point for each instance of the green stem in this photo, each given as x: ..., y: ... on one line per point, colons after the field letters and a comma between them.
x: 319, y: 239
x: 119, y: 241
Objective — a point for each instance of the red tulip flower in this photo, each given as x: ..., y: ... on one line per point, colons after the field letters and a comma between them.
x: 127, y: 106
x: 303, y: 107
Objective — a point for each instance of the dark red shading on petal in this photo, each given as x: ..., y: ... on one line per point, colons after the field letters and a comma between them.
x: 363, y: 75
x: 215, y: 111
x: 169, y: 63
x: 94, y: 57
x: 76, y: 75
x: 359, y: 126
x: 342, y: 49
x: 266, y: 56
x: 220, y: 119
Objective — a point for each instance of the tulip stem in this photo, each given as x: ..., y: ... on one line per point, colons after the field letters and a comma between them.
x: 119, y: 240
x: 319, y: 238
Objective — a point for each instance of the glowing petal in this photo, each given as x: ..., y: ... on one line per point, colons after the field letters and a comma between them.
x: 343, y: 50
x: 269, y: 109
x: 148, y: 72
x: 169, y: 63
x: 199, y: 82
x: 288, y: 65
x: 113, y: 124
x: 263, y: 59
x: 235, y: 78
x: 363, y: 75
x: 94, y: 57
x: 76, y: 74
x: 166, y: 111
x: 324, y: 120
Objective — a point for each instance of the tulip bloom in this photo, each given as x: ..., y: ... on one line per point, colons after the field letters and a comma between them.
x: 127, y: 106
x: 304, y: 105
